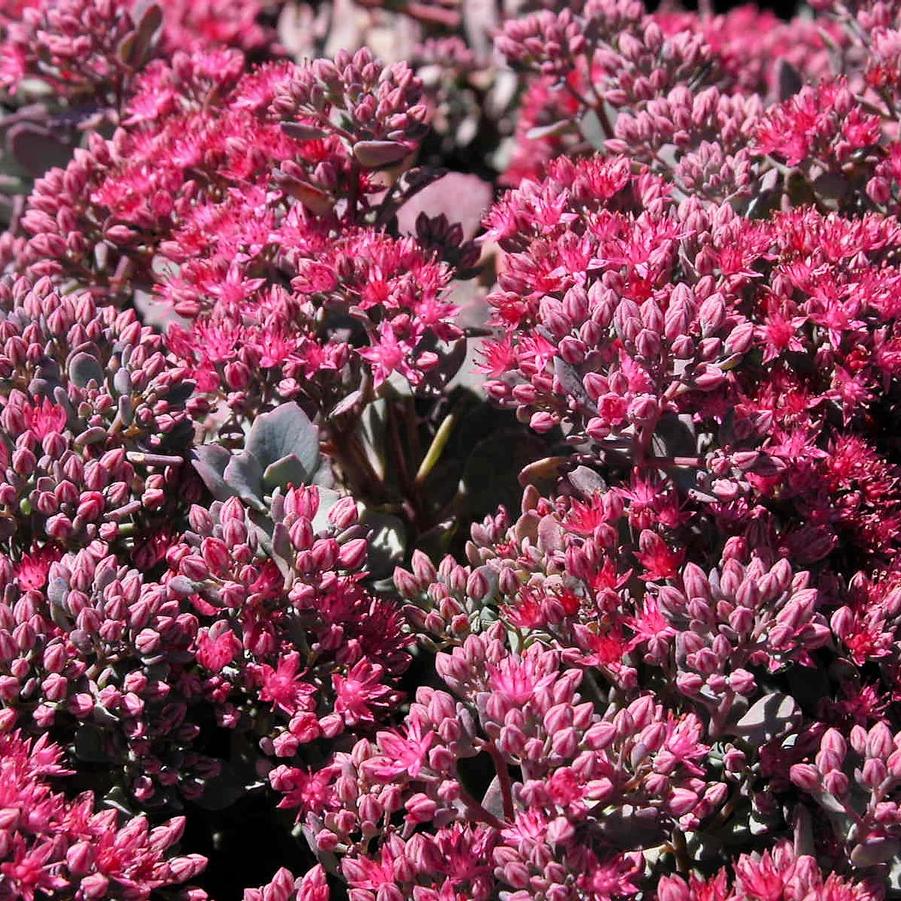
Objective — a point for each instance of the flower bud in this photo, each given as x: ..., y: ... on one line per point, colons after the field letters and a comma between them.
x: 353, y: 554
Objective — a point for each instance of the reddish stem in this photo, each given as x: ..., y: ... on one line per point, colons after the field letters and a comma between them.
x: 503, y: 777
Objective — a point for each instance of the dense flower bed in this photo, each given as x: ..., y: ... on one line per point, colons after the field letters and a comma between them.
x: 449, y: 452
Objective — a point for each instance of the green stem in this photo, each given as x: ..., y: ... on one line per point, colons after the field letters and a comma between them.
x: 436, y: 448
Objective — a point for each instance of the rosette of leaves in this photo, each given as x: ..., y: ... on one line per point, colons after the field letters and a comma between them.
x: 281, y: 449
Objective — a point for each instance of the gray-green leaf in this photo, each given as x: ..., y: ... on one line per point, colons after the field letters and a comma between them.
x: 287, y: 471
x: 83, y: 369
x: 284, y: 431
x: 210, y: 461
x: 244, y: 476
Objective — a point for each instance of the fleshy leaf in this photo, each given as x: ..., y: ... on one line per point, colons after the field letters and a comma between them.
x: 179, y: 393
x: 287, y: 471
x: 244, y: 475
x: 462, y: 197
x: 789, y: 78
x: 586, y: 481
x: 89, y: 745
x: 592, y: 130
x: 875, y: 850
x: 569, y: 380
x: 83, y: 369
x: 327, y: 499
x: 300, y: 131
x: 223, y: 790
x: 315, y: 199
x: 284, y: 431
x: 379, y: 154
x: 388, y: 541
x: 548, y: 131
x: 35, y: 148
x: 210, y: 461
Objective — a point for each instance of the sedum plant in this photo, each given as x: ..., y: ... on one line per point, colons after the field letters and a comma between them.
x: 454, y: 465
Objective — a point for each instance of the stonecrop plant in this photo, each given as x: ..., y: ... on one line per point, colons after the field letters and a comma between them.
x: 449, y: 451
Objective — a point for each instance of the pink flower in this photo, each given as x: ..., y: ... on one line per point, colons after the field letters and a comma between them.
x: 658, y: 560
x: 302, y: 789
x: 44, y: 418
x: 517, y: 680
x: 405, y: 754
x: 215, y: 652
x: 359, y: 692
x: 33, y: 568
x: 283, y: 687
x: 823, y: 123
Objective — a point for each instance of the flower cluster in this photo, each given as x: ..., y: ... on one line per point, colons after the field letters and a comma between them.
x: 98, y: 657
x: 67, y: 69
x: 79, y: 46
x: 295, y: 629
x: 128, y: 669
x: 96, y: 421
x: 595, y: 252
x: 384, y: 302
x: 661, y: 88
x: 284, y: 887
x: 781, y: 873
x: 56, y: 847
x: 255, y: 215
x: 870, y: 822
x: 636, y: 323
x: 543, y: 836
x: 89, y: 47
